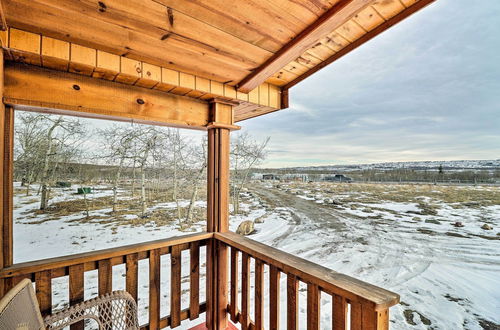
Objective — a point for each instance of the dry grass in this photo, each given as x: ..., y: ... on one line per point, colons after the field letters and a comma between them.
x: 121, y: 216
x: 456, y: 196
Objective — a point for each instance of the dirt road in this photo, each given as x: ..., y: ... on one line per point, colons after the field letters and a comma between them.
x: 419, y: 260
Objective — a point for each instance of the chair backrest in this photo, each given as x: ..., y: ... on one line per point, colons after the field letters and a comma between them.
x: 19, y: 308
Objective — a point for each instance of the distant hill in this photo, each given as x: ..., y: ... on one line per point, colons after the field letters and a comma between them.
x: 453, y: 165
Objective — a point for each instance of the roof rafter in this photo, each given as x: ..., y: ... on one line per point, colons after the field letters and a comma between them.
x: 329, y: 21
x: 365, y: 38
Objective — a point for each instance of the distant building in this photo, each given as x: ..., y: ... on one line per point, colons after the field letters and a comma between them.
x: 295, y: 177
x: 270, y: 177
x: 337, y: 178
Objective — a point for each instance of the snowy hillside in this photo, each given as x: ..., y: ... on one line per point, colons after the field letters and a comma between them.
x: 420, y: 165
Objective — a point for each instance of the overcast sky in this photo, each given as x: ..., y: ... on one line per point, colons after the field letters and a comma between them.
x: 427, y: 89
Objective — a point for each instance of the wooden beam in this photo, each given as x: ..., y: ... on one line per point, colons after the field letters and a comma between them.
x: 6, y: 164
x: 29, y: 87
x: 339, y: 13
x: 3, y: 22
x: 94, y: 256
x: 365, y: 38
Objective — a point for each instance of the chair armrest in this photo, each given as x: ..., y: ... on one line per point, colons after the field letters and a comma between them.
x: 116, y: 310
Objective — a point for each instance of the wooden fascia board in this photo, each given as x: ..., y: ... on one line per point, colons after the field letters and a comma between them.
x: 365, y: 38
x: 328, y: 22
x: 33, y: 48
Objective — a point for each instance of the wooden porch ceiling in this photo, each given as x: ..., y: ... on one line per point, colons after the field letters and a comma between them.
x: 238, y: 43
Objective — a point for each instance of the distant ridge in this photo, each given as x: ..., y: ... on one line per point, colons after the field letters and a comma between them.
x: 493, y: 164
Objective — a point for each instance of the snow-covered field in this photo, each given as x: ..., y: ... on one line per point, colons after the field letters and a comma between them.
x: 400, y: 237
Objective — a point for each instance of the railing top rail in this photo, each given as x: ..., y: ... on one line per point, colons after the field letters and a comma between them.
x: 329, y: 280
x: 75, y: 259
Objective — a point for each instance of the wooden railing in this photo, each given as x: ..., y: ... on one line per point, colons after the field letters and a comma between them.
x: 42, y: 272
x: 355, y: 304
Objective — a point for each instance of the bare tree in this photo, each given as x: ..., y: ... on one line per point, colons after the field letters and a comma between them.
x: 145, y: 140
x: 118, y: 143
x: 199, y: 155
x: 28, y: 152
x: 246, y: 153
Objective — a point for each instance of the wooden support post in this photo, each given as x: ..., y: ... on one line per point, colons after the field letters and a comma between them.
x: 6, y: 159
x: 222, y: 120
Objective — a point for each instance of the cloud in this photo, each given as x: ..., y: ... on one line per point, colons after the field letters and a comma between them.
x: 427, y: 89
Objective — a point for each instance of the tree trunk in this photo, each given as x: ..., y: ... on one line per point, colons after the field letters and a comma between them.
x: 45, y: 172
x: 143, y: 191
x: 86, y: 202
x: 133, y: 179
x: 174, y: 193
x: 115, y: 184
x: 190, y: 211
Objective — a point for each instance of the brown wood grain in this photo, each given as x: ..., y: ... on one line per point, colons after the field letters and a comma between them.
x: 42, y: 89
x: 340, y: 12
x: 194, y: 280
x: 7, y: 184
x: 3, y: 198
x: 105, y: 277
x: 2, y: 177
x: 222, y: 285
x: 193, y: 57
x: 274, y: 298
x: 245, y: 291
x: 292, y: 302
x: 329, y: 280
x: 43, y: 283
x: 131, y: 275
x: 64, y: 56
x: 93, y: 256
x: 259, y: 295
x: 210, y: 282
x: 356, y: 316
x: 76, y: 290
x: 362, y: 40
x: 154, y: 289
x: 313, y: 310
x: 339, y: 313
x: 175, y: 286
x: 234, y: 284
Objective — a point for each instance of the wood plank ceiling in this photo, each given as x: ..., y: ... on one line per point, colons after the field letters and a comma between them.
x: 222, y: 40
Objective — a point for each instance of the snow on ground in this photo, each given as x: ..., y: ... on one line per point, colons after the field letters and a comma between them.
x: 448, y: 277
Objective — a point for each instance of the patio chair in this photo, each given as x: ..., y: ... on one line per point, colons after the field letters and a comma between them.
x: 19, y: 310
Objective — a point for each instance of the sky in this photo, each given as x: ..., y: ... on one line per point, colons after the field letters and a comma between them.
x: 426, y: 89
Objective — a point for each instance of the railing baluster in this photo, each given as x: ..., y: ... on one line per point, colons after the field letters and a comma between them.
x: 175, y: 287
x: 245, y: 291
x: 292, y: 302
x: 74, y: 267
x: 274, y: 296
x: 313, y: 301
x: 356, y: 316
x: 339, y: 313
x: 43, y: 282
x: 154, y: 289
x: 105, y: 276
x: 194, y: 279
x: 259, y: 294
x: 375, y: 320
x: 76, y: 290
x: 234, y: 284
x: 131, y: 274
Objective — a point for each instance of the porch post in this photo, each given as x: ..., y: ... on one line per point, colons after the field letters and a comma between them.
x: 6, y: 154
x: 221, y: 123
